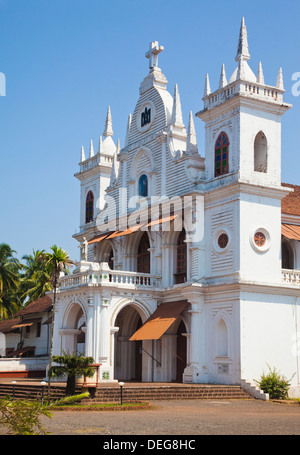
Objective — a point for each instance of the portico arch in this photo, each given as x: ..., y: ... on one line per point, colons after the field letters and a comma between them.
x: 129, y: 361
x: 73, y: 330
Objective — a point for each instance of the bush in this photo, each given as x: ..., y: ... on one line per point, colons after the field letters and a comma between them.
x: 276, y: 385
x: 22, y: 417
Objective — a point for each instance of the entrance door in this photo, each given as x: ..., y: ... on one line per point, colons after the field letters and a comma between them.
x: 138, y: 355
x: 181, y: 352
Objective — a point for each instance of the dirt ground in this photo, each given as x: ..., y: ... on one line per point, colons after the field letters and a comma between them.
x: 183, y: 417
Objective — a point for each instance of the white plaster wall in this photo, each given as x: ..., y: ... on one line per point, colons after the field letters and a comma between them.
x: 252, y: 121
x: 268, y: 326
x: 256, y: 213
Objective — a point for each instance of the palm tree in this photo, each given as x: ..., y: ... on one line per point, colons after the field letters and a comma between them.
x: 9, y: 281
x: 58, y: 261
x: 73, y: 366
x: 36, y: 280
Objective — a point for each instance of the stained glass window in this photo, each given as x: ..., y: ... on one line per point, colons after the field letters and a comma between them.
x: 89, y: 207
x: 221, y: 155
x: 143, y: 185
x: 223, y: 240
x: 259, y: 239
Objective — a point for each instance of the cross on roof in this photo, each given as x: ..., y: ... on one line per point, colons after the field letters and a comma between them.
x: 152, y: 54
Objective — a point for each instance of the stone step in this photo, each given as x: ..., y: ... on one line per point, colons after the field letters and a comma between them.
x: 106, y: 394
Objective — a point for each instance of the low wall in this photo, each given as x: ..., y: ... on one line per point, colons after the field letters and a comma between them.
x: 28, y: 367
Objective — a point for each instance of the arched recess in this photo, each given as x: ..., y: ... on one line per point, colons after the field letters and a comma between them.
x: 130, y: 364
x: 222, y: 346
x: 74, y: 327
x: 105, y: 253
x: 287, y: 255
x: 143, y: 164
x: 132, y: 247
x: 260, y: 153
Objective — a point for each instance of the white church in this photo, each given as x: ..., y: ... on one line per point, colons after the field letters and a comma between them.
x: 190, y: 262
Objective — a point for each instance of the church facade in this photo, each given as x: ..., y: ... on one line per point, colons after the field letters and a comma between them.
x: 190, y: 265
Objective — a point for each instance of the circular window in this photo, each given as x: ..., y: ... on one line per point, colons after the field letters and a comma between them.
x: 223, y: 240
x: 259, y: 239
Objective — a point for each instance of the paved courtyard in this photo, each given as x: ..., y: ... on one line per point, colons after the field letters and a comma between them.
x: 183, y: 417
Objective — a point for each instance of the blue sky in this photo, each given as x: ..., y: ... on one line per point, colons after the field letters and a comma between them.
x: 65, y: 61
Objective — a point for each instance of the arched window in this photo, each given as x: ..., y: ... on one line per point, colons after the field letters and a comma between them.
x: 143, y: 255
x: 221, y: 155
x: 143, y: 185
x: 222, y: 339
x: 89, y: 207
x: 180, y: 275
x: 260, y: 152
x: 287, y: 256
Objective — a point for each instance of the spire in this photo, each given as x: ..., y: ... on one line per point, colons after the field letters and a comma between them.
x: 91, y: 149
x: 223, y: 80
x: 128, y: 130
x: 207, y: 90
x: 260, y: 75
x: 82, y: 158
x: 242, y: 50
x: 100, y: 147
x: 279, y: 83
x: 108, y: 124
x: 191, y: 145
x: 115, y: 165
x: 176, y: 112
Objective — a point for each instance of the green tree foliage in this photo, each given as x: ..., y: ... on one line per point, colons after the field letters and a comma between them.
x: 22, y: 417
x: 73, y: 366
x: 10, y: 267
x: 36, y: 278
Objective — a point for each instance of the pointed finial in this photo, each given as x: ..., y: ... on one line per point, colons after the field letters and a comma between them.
x: 115, y: 164
x: 176, y: 112
x: 82, y: 157
x: 100, y: 146
x: 108, y: 124
x: 260, y: 75
x: 242, y: 50
x: 128, y: 130
x: 207, y: 90
x: 223, y: 80
x: 91, y: 149
x: 279, y: 82
x: 191, y: 146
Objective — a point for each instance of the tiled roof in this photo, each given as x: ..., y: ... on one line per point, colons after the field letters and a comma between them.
x: 7, y: 324
x: 290, y: 204
x: 38, y: 306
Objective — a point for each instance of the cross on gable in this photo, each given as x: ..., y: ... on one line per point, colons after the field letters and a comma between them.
x: 152, y: 54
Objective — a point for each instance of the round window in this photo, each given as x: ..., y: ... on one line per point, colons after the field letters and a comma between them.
x: 223, y: 240
x: 259, y: 239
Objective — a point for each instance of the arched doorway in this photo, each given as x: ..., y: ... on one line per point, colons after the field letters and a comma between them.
x: 181, y: 351
x: 128, y: 354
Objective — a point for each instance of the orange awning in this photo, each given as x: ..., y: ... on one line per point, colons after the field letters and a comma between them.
x: 130, y: 230
x: 291, y: 231
x: 98, y: 238
x: 162, y: 220
x: 159, y: 322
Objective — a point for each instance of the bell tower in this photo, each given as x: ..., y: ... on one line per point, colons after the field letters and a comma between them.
x: 243, y: 171
x: 248, y: 112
